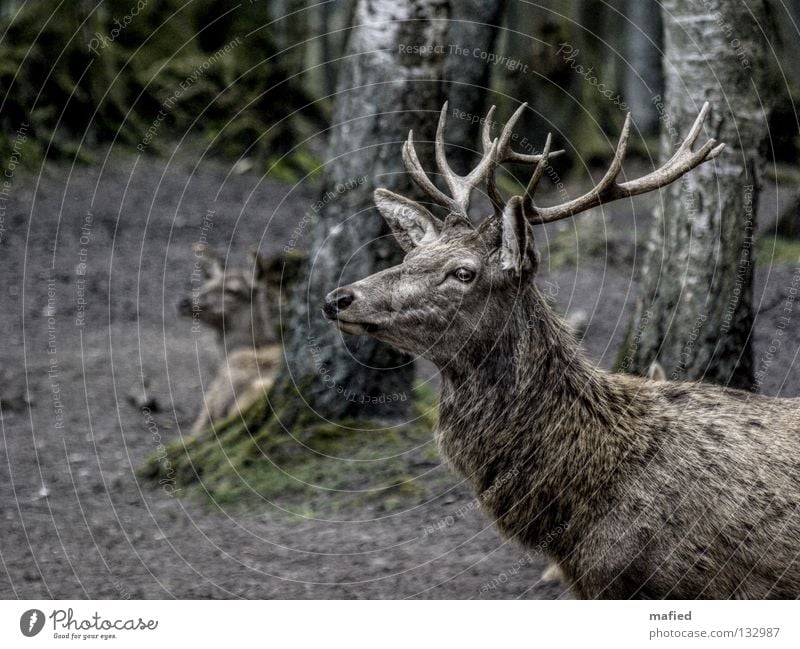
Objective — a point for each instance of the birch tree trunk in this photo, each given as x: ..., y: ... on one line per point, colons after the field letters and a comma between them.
x: 694, y: 315
x: 389, y: 82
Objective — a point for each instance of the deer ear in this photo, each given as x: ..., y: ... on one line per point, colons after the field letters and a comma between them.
x: 258, y: 263
x: 516, y: 240
x: 656, y: 372
x: 410, y: 222
x: 209, y: 261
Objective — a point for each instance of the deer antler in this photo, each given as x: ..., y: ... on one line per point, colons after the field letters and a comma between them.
x: 504, y: 153
x: 495, y: 152
x: 498, y: 151
x: 608, y: 189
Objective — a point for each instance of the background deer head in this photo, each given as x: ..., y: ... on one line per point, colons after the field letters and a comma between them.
x: 232, y: 302
x: 458, y: 285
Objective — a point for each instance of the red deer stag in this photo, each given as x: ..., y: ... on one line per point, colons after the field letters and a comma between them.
x: 658, y: 489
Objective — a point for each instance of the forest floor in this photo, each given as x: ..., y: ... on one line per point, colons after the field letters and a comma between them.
x: 77, y: 521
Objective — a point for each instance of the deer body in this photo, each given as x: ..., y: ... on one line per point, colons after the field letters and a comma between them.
x: 661, y: 489
x: 634, y: 487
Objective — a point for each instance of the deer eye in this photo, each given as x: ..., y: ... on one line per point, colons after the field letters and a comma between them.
x: 463, y: 274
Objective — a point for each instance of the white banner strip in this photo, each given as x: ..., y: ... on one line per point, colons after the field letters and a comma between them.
x: 400, y: 624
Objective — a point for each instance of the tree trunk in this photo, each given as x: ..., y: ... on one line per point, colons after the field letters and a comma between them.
x: 472, y: 31
x: 568, y: 77
x: 598, y: 43
x: 329, y: 21
x: 643, y: 75
x: 694, y: 315
x: 385, y: 88
x: 291, y: 31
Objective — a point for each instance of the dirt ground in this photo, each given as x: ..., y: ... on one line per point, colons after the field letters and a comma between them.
x: 76, y: 521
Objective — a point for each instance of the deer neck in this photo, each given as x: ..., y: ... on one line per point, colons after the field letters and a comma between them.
x: 252, y: 328
x: 529, y: 404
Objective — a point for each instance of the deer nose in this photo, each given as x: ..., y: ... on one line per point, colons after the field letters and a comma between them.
x: 337, y: 301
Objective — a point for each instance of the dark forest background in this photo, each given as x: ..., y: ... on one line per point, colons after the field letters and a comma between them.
x: 100, y: 72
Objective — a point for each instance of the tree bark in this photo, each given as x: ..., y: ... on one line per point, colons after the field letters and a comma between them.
x: 694, y: 315
x: 643, y: 74
x: 386, y: 87
x: 473, y: 29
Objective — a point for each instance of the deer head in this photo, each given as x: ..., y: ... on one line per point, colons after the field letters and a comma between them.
x: 234, y: 303
x: 458, y: 285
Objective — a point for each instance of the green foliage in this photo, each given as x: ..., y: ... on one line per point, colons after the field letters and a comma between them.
x: 777, y: 250
x: 306, y: 465
x: 83, y: 74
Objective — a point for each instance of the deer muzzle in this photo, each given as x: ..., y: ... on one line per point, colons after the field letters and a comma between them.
x: 335, y: 308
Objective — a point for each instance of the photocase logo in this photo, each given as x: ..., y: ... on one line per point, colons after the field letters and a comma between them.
x: 31, y: 622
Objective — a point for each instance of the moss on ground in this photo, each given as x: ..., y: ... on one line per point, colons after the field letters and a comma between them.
x: 595, y: 240
x: 773, y: 250
x: 309, y: 467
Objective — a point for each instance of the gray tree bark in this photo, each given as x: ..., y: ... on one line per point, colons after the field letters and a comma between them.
x: 385, y: 88
x: 643, y: 74
x: 291, y: 30
x: 473, y: 29
x: 694, y: 315
x: 328, y: 21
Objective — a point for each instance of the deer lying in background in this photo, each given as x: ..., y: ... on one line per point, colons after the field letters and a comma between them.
x: 656, y: 489
x: 237, y: 309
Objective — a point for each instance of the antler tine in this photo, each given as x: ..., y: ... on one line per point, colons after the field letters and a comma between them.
x: 712, y: 150
x: 486, y: 132
x: 491, y: 182
x: 506, y: 154
x: 609, y: 178
x: 441, y: 158
x: 608, y: 189
x: 508, y: 130
x: 536, y: 176
x: 418, y: 175
x: 695, y: 130
x: 501, y: 155
x: 461, y: 187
